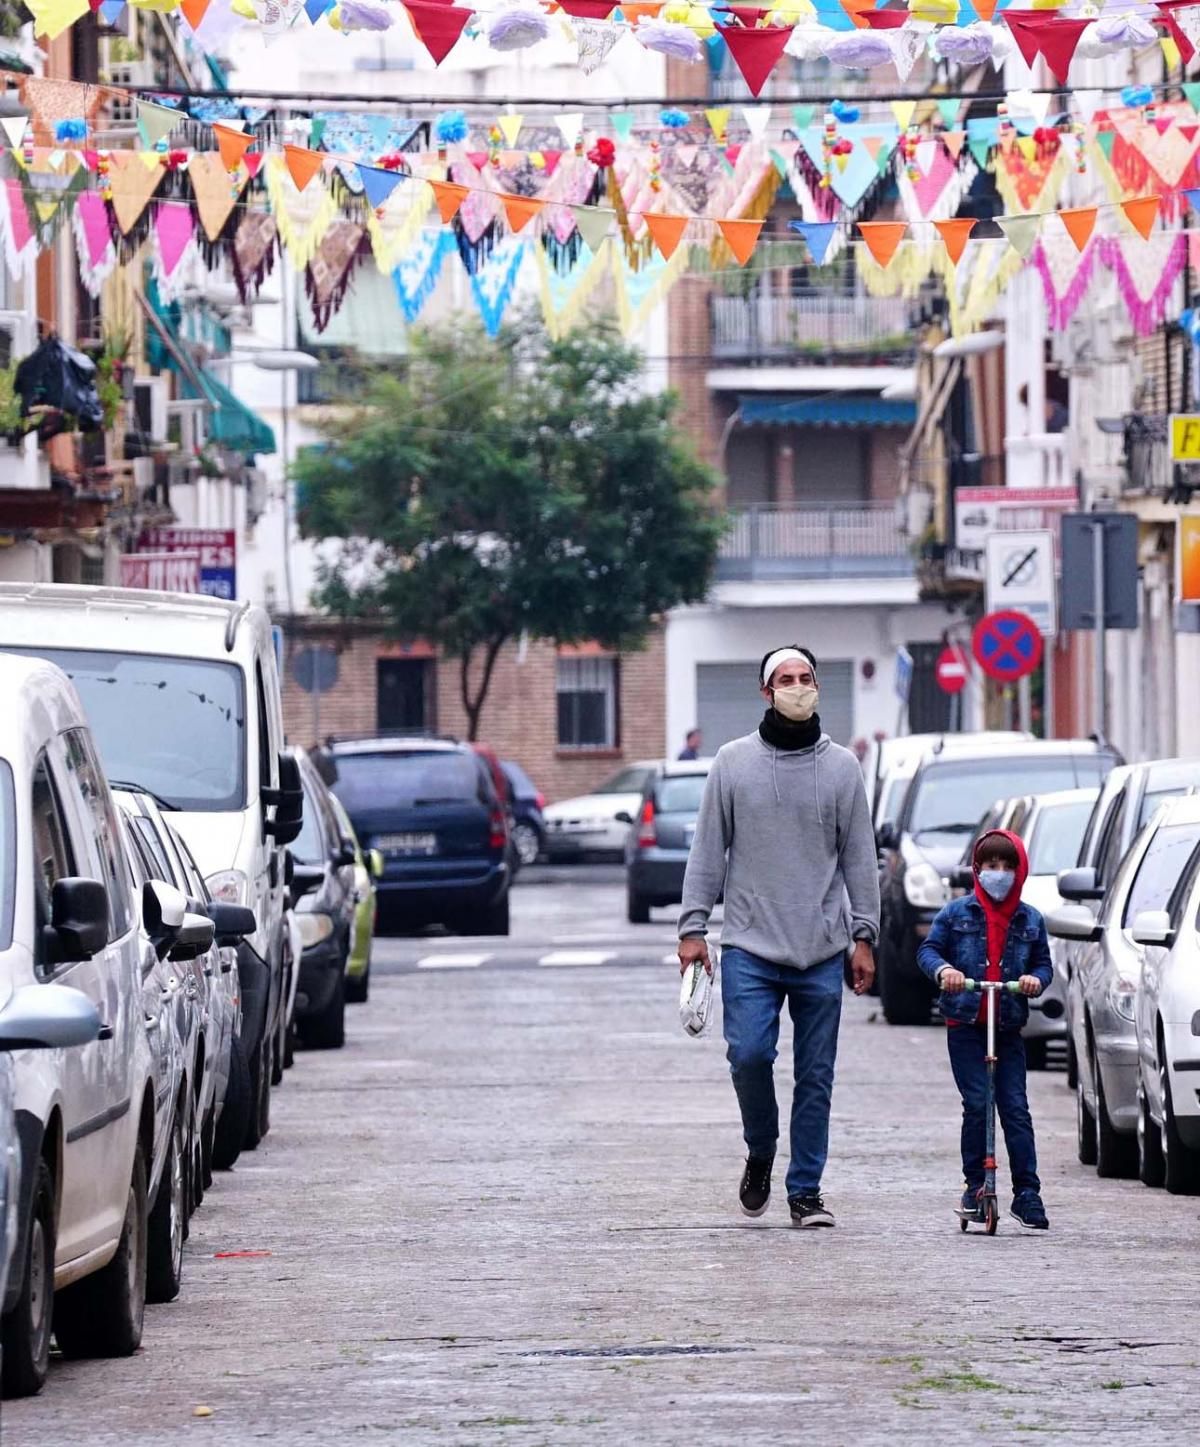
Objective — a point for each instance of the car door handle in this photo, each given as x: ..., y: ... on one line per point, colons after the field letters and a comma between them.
x: 151, y: 1021
x: 105, y: 1032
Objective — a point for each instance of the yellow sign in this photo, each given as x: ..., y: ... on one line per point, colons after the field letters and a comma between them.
x: 1185, y: 436
x: 1189, y: 559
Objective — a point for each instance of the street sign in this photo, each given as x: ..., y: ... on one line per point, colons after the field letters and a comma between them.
x: 981, y: 511
x: 1020, y: 575
x: 164, y: 572
x: 1007, y: 645
x: 218, y: 554
x: 1183, y: 434
x: 1120, y: 559
x: 315, y: 669
x: 1189, y: 559
x: 904, y: 673
x: 950, y: 670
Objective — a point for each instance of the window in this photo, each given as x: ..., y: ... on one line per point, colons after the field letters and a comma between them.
x: 1056, y: 835
x: 52, y: 857
x: 407, y: 780
x: 681, y: 793
x: 8, y: 855
x: 110, y: 855
x: 587, y: 703
x: 265, y: 777
x: 951, y: 798
x: 1164, y: 861
x: 1111, y: 852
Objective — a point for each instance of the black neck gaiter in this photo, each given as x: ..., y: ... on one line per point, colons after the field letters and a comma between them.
x: 785, y: 733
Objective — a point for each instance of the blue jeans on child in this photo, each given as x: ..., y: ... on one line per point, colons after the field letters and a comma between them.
x: 753, y: 992
x: 968, y: 1047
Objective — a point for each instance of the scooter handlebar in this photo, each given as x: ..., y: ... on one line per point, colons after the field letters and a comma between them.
x: 1011, y: 986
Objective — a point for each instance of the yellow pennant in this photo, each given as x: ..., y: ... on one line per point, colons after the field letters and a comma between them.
x: 510, y: 127
x: 718, y: 120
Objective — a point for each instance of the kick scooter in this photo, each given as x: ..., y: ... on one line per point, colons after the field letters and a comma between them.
x: 987, y: 1197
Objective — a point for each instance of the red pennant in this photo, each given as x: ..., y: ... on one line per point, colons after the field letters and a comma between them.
x: 756, y: 52
x: 1189, y: 132
x: 885, y: 19
x: 1163, y: 124
x: 732, y: 153
x: 1052, y: 36
x: 252, y: 161
x: 588, y: 9
x: 1186, y: 49
x: 666, y: 232
x: 437, y: 27
x: 551, y: 159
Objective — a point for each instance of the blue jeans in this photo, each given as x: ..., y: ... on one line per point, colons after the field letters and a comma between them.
x: 753, y: 992
x: 968, y: 1046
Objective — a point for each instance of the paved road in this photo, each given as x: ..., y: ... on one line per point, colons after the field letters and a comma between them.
x: 505, y: 1213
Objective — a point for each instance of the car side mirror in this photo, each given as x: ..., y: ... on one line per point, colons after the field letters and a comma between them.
x: 1152, y: 927
x: 375, y: 858
x: 195, y: 937
x: 623, y: 816
x: 48, y: 1017
x: 1079, y: 885
x: 1073, y: 922
x: 962, y: 876
x: 887, y: 836
x: 345, y: 854
x: 306, y: 878
x: 231, y: 923
x: 78, y: 927
x: 164, y: 909
x: 288, y: 801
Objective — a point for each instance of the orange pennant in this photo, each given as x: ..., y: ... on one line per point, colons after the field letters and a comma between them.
x: 1140, y: 214
x: 666, y: 230
x: 194, y: 11
x: 741, y: 237
x: 232, y: 144
x: 953, y: 142
x: 302, y: 164
x: 449, y: 196
x: 855, y: 9
x: 1079, y: 224
x: 955, y: 233
x: 882, y: 238
x: 633, y: 10
x: 520, y: 210
x: 985, y: 9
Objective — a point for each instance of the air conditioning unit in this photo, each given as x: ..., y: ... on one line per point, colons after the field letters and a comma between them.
x: 150, y: 407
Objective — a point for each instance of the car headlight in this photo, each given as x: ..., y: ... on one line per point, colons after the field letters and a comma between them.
x: 314, y: 928
x: 229, y: 886
x: 924, y: 887
x: 1122, y: 996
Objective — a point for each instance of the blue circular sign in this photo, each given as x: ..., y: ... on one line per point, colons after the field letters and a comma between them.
x: 1007, y: 645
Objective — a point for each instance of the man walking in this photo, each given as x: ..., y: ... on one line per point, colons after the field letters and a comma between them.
x: 691, y: 744
x: 784, y: 828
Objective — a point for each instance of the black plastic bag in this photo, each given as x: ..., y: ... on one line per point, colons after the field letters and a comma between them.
x: 56, y: 375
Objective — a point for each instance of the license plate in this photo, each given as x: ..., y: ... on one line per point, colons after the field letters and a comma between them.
x: 407, y: 843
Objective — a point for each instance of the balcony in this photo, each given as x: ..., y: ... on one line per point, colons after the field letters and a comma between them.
x: 853, y: 540
x: 817, y: 326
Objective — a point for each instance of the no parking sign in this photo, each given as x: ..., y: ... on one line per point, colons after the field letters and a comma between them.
x: 1007, y: 645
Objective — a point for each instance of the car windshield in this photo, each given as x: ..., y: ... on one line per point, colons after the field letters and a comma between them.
x: 8, y: 855
x: 892, y: 801
x: 952, y: 796
x: 405, y: 780
x: 1056, y: 836
x: 175, y: 727
x: 681, y: 794
x: 308, y: 848
x: 1165, y: 860
x: 523, y: 786
x: 631, y: 780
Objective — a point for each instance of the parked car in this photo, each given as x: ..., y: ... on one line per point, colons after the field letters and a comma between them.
x: 951, y: 790
x: 597, y: 823
x: 1103, y: 984
x: 182, y: 693
x: 367, y: 868
x: 325, y: 896
x: 660, y: 839
x: 431, y: 810
x: 528, y: 801
x: 1167, y: 1020
x: 899, y: 757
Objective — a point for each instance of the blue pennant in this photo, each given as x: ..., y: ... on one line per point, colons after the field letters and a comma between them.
x: 314, y: 9
x: 492, y: 285
x: 1193, y: 200
x: 817, y: 236
x: 417, y: 275
x: 110, y: 11
x: 378, y: 183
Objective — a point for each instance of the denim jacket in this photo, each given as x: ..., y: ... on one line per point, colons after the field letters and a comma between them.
x: 958, y: 937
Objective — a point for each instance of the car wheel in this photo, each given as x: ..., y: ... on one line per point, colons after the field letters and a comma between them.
x: 26, y: 1328
x: 260, y: 1093
x: 1072, y: 1063
x: 196, y: 1184
x: 234, y: 1119
x: 1181, y: 1166
x: 327, y: 1031
x: 358, y: 987
x: 637, y: 908
x: 289, y: 1046
x: 207, y: 1137
x: 905, y: 1000
x: 1085, y: 1127
x: 1149, y: 1143
x: 277, y: 1053
x: 164, y: 1247
x: 1116, y: 1152
x: 102, y: 1315
x: 527, y: 842
x: 1035, y: 1054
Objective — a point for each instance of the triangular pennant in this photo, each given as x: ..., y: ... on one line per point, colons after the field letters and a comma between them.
x: 882, y: 238
x: 155, y: 122
x: 817, y: 236
x: 855, y: 8
x: 1059, y: 41
x: 666, y: 232
x: 194, y: 11
x: 588, y: 9
x: 510, y: 127
x: 1025, y: 31
x: 955, y: 233
x: 232, y: 144
x: 437, y: 27
x: 550, y: 160
x: 757, y: 119
x: 302, y: 164
x: 1106, y: 140
x: 378, y: 184
x: 132, y: 186
x: 904, y: 110
x: 214, y: 195
x: 1191, y: 89
x: 1021, y: 231
x: 1079, y: 223
x: 926, y: 155
x: 803, y: 117
x: 314, y: 9
x: 110, y: 11
x: 449, y: 196
x: 1172, y: 51
x: 173, y: 230
x: 718, y: 120
x: 1193, y: 200
x: 948, y: 110
x: 593, y: 223
x: 756, y: 52
x: 570, y: 127
x: 1140, y: 213
x: 1087, y: 103
x: 741, y: 237
x: 953, y: 142
x: 252, y: 162
x: 622, y: 124
x: 1033, y: 103
x: 14, y: 129
x: 520, y: 210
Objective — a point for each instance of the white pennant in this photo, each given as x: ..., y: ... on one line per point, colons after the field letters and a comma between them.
x: 1087, y: 103
x: 907, y: 44
x: 570, y: 127
x: 14, y: 129
x: 1029, y: 103
x: 757, y: 119
x: 595, y: 41
x: 926, y: 155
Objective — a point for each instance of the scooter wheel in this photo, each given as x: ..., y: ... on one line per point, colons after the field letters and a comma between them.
x: 991, y: 1218
x: 963, y: 1223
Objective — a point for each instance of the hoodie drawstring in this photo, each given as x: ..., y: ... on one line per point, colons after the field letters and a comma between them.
x: 816, y: 778
x: 775, y: 774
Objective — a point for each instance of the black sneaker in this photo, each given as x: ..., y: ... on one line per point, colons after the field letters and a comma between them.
x: 809, y: 1211
x: 755, y: 1190
x: 968, y: 1208
x: 1027, y: 1208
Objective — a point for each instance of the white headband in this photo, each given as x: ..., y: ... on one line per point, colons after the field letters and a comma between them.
x: 784, y: 655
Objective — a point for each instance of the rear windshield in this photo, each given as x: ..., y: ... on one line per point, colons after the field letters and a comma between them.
x: 631, y: 780
x: 1056, y: 836
x: 405, y: 781
x: 681, y: 794
x: 952, y: 797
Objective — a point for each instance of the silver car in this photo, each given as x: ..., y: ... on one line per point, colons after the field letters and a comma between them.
x: 1102, y: 988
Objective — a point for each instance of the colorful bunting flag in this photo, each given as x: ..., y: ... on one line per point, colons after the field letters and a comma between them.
x: 232, y: 144
x: 378, y: 183
x: 666, y: 231
x: 756, y: 52
x: 520, y: 210
x: 718, y: 120
x: 438, y: 27
x: 593, y: 223
x: 449, y: 196
x: 1079, y: 223
x: 882, y: 238
x: 510, y: 127
x: 955, y: 234
x: 1021, y: 231
x: 818, y: 235
x: 741, y: 237
x: 302, y: 164
x: 1141, y: 213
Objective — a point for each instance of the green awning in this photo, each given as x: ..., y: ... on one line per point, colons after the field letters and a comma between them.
x: 231, y: 422
x: 831, y: 410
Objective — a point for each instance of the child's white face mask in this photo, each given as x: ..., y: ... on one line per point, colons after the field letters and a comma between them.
x: 997, y: 883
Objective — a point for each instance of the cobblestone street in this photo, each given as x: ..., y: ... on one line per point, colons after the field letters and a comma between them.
x: 506, y: 1212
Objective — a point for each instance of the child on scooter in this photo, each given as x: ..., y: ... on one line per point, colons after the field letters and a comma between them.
x: 992, y: 935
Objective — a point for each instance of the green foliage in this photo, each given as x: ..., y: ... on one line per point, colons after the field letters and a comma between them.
x: 10, y: 403
x: 522, y: 486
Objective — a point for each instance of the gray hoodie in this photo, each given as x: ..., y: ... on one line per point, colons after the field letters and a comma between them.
x: 788, y: 835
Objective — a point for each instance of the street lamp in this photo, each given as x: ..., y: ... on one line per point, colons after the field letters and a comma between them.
x: 285, y: 360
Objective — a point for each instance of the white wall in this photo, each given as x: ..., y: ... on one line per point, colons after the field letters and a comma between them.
x: 27, y: 563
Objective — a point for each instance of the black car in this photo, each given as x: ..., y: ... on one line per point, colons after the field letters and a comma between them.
x: 952, y: 790
x: 325, y: 893
x: 527, y: 802
x: 430, y: 808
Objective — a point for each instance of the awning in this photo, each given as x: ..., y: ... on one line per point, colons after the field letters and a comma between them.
x: 836, y: 411
x: 231, y: 422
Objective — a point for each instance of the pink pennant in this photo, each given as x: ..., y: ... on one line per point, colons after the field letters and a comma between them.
x: 1194, y: 249
x: 478, y: 159
x: 20, y: 228
x: 174, y: 226
x: 928, y: 188
x: 252, y: 161
x: 92, y: 216
x: 551, y: 159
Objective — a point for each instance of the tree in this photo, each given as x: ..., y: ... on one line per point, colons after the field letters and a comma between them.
x: 494, y: 489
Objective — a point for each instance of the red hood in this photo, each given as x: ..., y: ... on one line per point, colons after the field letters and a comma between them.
x: 1008, y: 908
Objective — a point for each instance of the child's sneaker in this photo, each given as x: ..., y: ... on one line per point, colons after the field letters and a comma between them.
x: 968, y: 1208
x: 1027, y: 1208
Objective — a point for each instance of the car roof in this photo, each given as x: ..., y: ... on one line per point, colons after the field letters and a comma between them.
x: 407, y: 744
x: 681, y: 768
x: 1061, y: 797
x: 1033, y: 748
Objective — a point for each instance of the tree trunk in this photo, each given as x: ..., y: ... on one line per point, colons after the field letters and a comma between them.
x: 473, y: 705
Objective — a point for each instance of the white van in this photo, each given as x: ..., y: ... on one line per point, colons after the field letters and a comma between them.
x: 182, y: 693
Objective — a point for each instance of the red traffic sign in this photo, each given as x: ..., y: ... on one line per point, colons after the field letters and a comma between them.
x: 950, y: 670
x: 1007, y: 645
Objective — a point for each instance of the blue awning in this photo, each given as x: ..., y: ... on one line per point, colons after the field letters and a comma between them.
x: 840, y: 410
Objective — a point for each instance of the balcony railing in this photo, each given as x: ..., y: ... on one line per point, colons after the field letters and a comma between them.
x: 852, y: 540
x: 820, y: 325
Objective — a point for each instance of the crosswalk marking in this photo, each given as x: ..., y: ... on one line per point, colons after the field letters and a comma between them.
x: 578, y: 957
x: 452, y: 962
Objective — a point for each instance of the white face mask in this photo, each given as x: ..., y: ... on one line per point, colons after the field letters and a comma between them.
x: 798, y: 701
